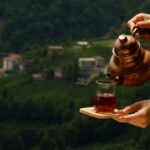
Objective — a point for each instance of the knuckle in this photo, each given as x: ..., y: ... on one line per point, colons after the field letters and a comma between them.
x: 129, y: 23
x: 140, y: 14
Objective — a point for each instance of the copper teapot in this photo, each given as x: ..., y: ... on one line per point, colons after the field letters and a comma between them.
x: 130, y: 63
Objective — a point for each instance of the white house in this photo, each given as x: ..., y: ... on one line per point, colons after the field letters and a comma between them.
x: 11, y: 61
x: 89, y: 67
x: 59, y: 73
x: 91, y: 63
x: 84, y: 44
x: 87, y: 63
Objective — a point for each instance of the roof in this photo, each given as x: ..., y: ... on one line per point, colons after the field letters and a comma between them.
x: 99, y: 58
x: 55, y: 47
x: 13, y: 57
x: 86, y: 59
x: 83, y: 43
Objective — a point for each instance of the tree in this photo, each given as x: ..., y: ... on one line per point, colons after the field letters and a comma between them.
x: 30, y: 136
x: 46, y: 110
x: 13, y: 141
x: 4, y: 110
x: 47, y: 143
x: 27, y: 110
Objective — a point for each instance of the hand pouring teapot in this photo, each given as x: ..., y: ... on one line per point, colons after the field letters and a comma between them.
x: 130, y: 63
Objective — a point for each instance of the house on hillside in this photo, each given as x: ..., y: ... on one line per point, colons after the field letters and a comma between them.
x: 89, y: 67
x: 91, y: 63
x: 83, y: 44
x: 12, y: 61
x: 59, y: 73
x: 55, y: 50
x: 40, y: 76
x: 87, y: 64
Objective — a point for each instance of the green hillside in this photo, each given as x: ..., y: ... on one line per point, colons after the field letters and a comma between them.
x: 47, y: 112
x: 44, y: 115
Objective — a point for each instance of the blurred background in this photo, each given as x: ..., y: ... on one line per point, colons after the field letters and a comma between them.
x: 51, y: 53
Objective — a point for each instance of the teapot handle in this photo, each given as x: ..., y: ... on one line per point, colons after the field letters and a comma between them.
x: 136, y: 31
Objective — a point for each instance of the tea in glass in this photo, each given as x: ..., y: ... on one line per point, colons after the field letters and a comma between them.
x: 105, y: 97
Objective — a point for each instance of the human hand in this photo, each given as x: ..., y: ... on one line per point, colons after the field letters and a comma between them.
x: 137, y: 114
x: 142, y: 21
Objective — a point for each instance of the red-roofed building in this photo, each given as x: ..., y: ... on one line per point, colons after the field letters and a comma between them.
x: 11, y: 61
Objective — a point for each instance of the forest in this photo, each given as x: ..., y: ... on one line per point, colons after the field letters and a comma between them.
x: 45, y: 115
x: 27, y: 23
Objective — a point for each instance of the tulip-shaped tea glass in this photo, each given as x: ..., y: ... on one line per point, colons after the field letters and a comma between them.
x: 105, y: 98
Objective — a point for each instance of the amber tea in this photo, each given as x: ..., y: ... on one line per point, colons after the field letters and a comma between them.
x: 104, y: 102
x: 105, y: 98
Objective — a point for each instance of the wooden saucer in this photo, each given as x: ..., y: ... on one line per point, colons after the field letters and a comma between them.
x: 89, y: 111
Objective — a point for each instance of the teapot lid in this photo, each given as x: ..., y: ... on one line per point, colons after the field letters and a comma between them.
x: 126, y: 46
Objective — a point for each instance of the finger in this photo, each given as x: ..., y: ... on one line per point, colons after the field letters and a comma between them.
x: 132, y: 108
x: 118, y: 119
x: 136, y: 19
x: 143, y: 24
x: 133, y: 116
x: 131, y: 24
x: 137, y: 123
x: 139, y: 17
x: 133, y: 119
